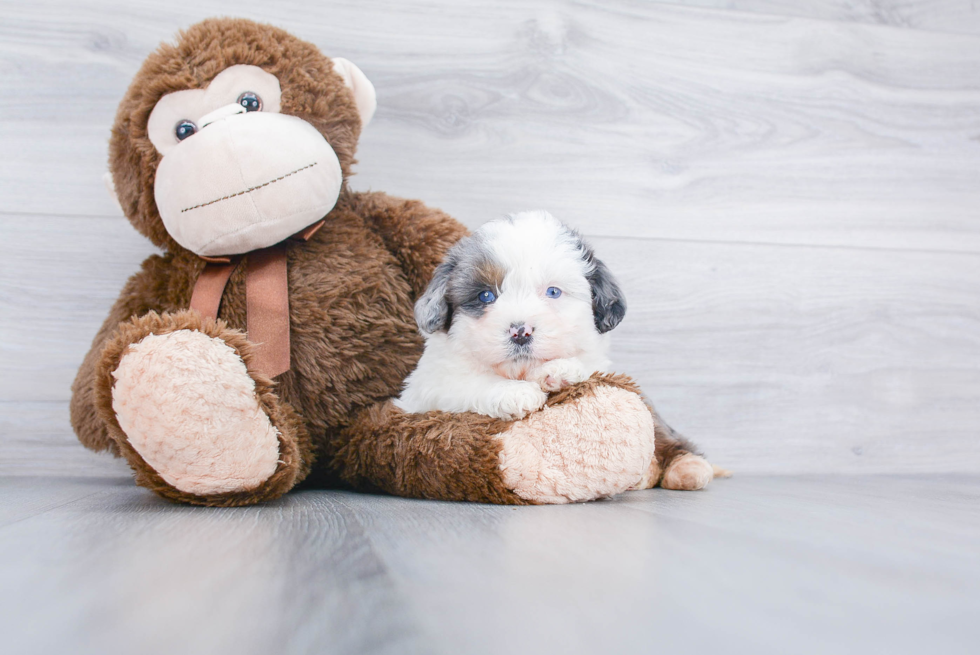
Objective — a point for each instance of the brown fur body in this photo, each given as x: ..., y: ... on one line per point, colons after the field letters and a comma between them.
x: 353, y: 335
x: 351, y: 289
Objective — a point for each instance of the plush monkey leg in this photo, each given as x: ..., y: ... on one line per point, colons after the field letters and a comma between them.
x: 591, y: 440
x: 195, y: 422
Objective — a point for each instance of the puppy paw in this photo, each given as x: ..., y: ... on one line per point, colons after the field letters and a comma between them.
x: 517, y: 400
x: 689, y: 472
x: 558, y: 374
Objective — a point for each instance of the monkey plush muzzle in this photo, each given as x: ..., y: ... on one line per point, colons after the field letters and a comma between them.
x: 246, y: 181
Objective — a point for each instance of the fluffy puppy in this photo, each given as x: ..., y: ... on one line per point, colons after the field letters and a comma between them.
x: 519, y: 309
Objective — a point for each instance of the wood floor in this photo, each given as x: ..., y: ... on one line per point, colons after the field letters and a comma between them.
x: 790, y: 195
x: 884, y: 564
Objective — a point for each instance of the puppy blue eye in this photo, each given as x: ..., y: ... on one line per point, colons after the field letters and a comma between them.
x: 553, y: 292
x: 487, y: 297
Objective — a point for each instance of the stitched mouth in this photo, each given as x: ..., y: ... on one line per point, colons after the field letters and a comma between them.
x: 250, y: 189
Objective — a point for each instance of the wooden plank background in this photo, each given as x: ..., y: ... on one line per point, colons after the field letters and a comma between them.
x: 790, y: 195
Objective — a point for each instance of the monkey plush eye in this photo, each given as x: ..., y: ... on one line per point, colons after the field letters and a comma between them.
x: 486, y: 297
x: 250, y: 101
x: 184, y: 129
x: 553, y: 292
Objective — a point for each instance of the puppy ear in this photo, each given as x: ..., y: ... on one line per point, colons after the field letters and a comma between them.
x: 608, y: 301
x: 432, y: 309
x: 360, y: 86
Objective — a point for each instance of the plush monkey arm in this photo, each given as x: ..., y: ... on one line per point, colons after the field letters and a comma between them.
x: 143, y: 292
x: 418, y: 236
x: 436, y: 455
x: 591, y: 440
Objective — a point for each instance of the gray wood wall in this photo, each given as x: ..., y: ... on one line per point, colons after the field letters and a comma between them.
x: 790, y: 193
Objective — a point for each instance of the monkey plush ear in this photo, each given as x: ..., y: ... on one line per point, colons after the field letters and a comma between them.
x: 360, y: 85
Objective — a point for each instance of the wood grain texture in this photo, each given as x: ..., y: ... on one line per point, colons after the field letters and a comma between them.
x: 793, y: 203
x: 751, y: 565
x: 772, y: 358
x: 134, y: 572
x: 962, y: 16
x: 36, y: 440
x: 629, y: 119
x: 794, y: 359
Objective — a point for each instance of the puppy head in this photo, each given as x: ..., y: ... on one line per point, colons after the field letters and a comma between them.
x: 521, y: 291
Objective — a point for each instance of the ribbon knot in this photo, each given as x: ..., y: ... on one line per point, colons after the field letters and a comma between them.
x: 266, y: 299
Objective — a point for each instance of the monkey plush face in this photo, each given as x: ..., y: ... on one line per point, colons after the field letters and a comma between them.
x: 246, y: 147
x: 236, y: 174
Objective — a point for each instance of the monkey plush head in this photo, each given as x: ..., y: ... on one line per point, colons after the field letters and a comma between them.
x: 235, y: 137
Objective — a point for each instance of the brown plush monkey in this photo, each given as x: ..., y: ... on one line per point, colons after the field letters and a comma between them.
x: 264, y: 343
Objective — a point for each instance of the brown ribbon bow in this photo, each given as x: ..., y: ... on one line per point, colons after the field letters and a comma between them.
x: 266, y: 299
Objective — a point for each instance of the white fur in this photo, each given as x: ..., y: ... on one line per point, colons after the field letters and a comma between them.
x: 472, y: 367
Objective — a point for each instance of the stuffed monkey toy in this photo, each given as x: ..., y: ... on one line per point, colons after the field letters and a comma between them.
x: 261, y: 348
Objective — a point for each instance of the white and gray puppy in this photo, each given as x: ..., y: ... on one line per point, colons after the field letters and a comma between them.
x: 520, y: 308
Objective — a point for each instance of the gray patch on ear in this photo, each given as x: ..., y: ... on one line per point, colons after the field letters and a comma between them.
x: 456, y: 285
x: 608, y: 300
x: 432, y: 312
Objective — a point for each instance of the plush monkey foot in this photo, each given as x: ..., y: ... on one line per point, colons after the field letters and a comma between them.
x: 187, y: 404
x: 193, y: 420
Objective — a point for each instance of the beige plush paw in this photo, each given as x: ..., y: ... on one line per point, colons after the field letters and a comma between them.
x: 187, y: 405
x: 591, y: 447
x: 558, y: 374
x: 688, y: 472
x: 517, y: 399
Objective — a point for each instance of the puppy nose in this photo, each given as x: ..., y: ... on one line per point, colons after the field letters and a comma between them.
x: 521, y: 333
